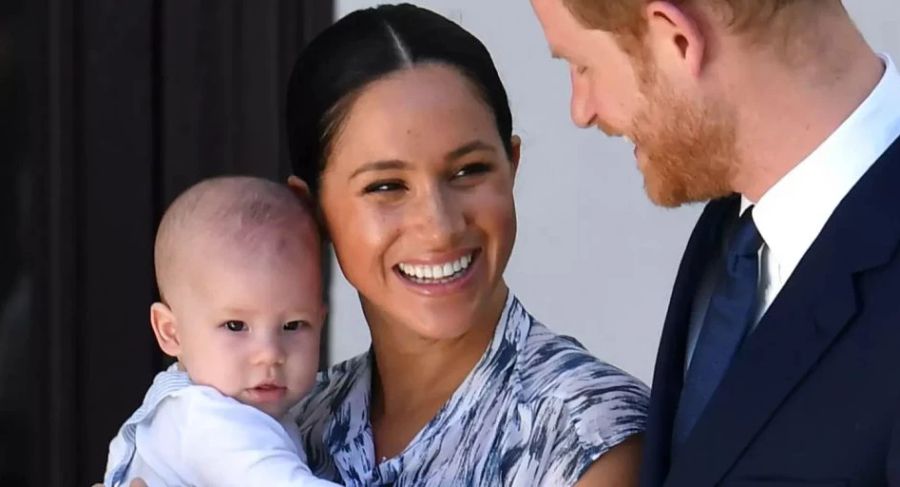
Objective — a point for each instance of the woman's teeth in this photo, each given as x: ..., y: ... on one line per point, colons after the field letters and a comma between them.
x: 439, y: 273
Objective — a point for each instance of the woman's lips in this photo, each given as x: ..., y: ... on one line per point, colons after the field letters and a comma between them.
x: 453, y: 275
x: 436, y: 271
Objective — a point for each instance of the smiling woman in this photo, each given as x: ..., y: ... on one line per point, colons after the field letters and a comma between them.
x: 400, y: 125
x: 449, y: 200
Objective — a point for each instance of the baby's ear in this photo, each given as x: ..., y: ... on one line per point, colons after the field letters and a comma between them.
x: 165, y: 328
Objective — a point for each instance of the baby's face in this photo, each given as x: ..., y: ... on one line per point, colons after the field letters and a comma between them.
x: 249, y: 325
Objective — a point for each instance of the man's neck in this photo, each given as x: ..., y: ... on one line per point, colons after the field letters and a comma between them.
x: 786, y: 112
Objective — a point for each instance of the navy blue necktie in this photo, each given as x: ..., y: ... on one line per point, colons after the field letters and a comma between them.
x: 728, y: 319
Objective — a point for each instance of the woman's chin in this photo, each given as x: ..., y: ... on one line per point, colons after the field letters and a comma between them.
x: 450, y: 321
x: 442, y: 329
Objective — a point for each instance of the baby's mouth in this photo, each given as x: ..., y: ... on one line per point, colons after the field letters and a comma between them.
x: 265, y: 393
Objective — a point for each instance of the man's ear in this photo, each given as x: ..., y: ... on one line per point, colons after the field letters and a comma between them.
x: 165, y: 328
x: 515, y: 156
x: 675, y: 37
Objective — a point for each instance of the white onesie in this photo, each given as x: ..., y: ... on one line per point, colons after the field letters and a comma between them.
x: 190, y: 435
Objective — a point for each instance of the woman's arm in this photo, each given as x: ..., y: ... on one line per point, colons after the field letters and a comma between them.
x: 616, y: 468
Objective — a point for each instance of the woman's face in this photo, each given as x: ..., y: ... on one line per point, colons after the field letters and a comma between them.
x: 417, y: 195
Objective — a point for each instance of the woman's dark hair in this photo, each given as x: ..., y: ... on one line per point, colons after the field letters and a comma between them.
x: 363, y: 47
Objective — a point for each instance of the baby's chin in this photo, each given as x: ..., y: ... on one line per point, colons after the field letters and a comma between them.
x: 281, y: 408
x: 275, y: 411
x: 278, y: 413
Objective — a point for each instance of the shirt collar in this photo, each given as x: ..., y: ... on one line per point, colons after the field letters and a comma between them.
x: 792, y: 213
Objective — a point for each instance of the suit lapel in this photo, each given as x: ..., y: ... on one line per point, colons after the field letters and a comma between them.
x: 812, y: 309
x: 668, y: 376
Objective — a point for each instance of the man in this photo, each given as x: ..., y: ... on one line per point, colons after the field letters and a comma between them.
x: 780, y: 354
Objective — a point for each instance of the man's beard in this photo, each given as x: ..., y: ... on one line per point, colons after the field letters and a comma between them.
x: 688, y: 147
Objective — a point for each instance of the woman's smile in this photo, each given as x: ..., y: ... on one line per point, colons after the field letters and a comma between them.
x: 418, y: 201
x: 439, y: 276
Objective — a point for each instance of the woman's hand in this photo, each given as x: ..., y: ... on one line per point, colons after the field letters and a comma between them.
x: 134, y: 483
x: 616, y: 468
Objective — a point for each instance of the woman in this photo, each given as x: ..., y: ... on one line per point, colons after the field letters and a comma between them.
x: 400, y: 124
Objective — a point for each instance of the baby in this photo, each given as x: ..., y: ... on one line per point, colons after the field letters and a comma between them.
x: 238, y: 269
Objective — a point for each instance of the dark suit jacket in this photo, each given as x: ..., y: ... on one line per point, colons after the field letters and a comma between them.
x: 813, y: 396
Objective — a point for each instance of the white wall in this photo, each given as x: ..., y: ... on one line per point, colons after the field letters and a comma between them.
x: 594, y: 259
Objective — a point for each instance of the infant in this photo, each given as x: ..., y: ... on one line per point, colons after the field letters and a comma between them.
x: 238, y: 268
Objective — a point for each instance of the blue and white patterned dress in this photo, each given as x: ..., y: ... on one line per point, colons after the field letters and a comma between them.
x: 537, y: 409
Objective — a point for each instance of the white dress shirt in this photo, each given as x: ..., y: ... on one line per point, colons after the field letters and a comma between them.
x: 792, y: 213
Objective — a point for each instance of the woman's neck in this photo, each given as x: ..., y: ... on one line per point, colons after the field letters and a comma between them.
x: 415, y: 376
x: 411, y: 369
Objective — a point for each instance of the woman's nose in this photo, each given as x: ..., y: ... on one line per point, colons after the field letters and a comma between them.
x: 439, y: 218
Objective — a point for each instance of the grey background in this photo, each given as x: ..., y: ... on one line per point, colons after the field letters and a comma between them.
x: 593, y: 258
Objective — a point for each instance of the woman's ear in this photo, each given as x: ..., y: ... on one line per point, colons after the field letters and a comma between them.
x: 299, y: 187
x: 516, y: 154
x: 324, y: 314
x: 165, y: 328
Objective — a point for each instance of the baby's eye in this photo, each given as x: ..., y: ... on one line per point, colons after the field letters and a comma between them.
x: 235, y: 325
x: 296, y: 325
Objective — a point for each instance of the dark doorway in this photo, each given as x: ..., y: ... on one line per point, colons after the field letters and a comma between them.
x: 108, y: 109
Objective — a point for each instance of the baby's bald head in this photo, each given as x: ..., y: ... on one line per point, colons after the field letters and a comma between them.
x: 246, y: 215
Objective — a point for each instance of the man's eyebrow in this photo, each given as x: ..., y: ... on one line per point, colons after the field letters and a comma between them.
x: 379, y: 166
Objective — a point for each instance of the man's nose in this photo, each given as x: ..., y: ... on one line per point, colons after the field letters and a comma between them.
x: 583, y: 113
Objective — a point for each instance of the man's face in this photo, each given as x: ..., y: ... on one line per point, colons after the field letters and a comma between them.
x: 684, y: 141
x: 605, y: 87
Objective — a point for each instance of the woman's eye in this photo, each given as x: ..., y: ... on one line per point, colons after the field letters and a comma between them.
x: 472, y: 169
x: 235, y: 325
x: 296, y: 325
x: 384, y: 187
